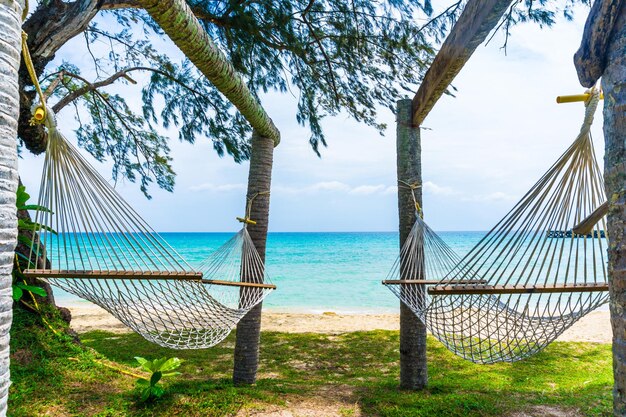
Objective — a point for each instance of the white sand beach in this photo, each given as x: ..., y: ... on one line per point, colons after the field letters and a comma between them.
x: 595, y: 327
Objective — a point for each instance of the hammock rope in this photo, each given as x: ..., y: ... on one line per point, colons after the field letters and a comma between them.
x: 528, y: 279
x: 101, y: 250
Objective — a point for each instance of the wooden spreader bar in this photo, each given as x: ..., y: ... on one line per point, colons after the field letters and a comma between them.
x: 137, y: 275
x: 96, y: 274
x: 516, y: 289
x: 431, y: 281
x: 239, y: 284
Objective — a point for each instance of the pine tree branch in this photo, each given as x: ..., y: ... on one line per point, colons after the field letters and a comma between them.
x: 92, y: 86
x: 178, y: 21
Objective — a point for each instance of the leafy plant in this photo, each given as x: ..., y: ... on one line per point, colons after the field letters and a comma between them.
x: 20, y: 287
x: 26, y: 225
x: 158, y: 368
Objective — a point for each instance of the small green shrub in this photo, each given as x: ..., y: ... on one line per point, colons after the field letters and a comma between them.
x: 19, y: 283
x: 159, y: 368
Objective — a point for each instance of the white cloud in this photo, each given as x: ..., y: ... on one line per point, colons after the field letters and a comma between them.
x: 429, y: 187
x: 324, y: 186
x: 218, y: 188
x: 392, y: 189
x: 432, y: 188
x: 336, y: 187
x: 496, y: 196
x: 368, y: 189
x: 328, y: 186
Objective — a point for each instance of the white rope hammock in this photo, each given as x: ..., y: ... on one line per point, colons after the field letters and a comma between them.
x: 102, y: 250
x: 538, y: 271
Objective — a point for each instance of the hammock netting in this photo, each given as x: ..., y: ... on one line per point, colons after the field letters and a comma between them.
x: 101, y: 250
x: 529, y: 279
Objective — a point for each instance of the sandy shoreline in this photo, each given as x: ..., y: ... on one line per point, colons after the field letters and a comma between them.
x: 595, y: 327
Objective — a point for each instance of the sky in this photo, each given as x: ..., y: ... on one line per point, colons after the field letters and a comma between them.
x: 481, y: 150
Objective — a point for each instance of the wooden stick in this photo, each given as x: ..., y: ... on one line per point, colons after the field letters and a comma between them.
x: 517, y: 289
x: 146, y: 275
x: 238, y: 284
x: 575, y: 98
x: 432, y: 281
x: 586, y: 226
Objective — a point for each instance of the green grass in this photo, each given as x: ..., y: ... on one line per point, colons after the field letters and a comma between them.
x: 354, y: 373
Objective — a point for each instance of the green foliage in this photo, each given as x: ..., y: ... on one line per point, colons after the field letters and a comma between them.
x: 333, y: 55
x: 174, y: 96
x: 204, y: 113
x: 42, y: 361
x: 26, y: 225
x: 21, y: 201
x: 541, y: 12
x: 159, y: 368
x: 22, y: 198
x: 20, y: 287
x: 352, y: 56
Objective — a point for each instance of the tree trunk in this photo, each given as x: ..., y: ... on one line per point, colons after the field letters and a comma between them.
x: 10, y: 42
x: 614, y: 86
x: 413, y: 366
x: 249, y: 328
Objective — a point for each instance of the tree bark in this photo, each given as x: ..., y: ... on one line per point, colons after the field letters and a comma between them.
x: 590, y: 59
x: 10, y: 42
x: 249, y: 328
x: 478, y: 19
x: 614, y: 86
x: 413, y: 365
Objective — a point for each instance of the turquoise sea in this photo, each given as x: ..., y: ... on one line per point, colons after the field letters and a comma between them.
x: 318, y: 272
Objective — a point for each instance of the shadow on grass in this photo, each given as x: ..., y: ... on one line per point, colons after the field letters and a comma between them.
x: 341, y: 370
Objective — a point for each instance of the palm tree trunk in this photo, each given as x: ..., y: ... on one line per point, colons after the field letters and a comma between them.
x: 10, y: 42
x: 614, y: 86
x: 413, y: 366
x: 249, y: 328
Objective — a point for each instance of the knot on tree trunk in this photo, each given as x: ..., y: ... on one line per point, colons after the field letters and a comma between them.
x: 590, y: 59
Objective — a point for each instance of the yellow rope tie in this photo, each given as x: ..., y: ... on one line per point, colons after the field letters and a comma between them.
x: 247, y: 220
x: 590, y: 109
x: 115, y: 368
x: 39, y: 117
x: 121, y: 370
x: 40, y: 111
x: 413, y: 186
x: 25, y: 11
